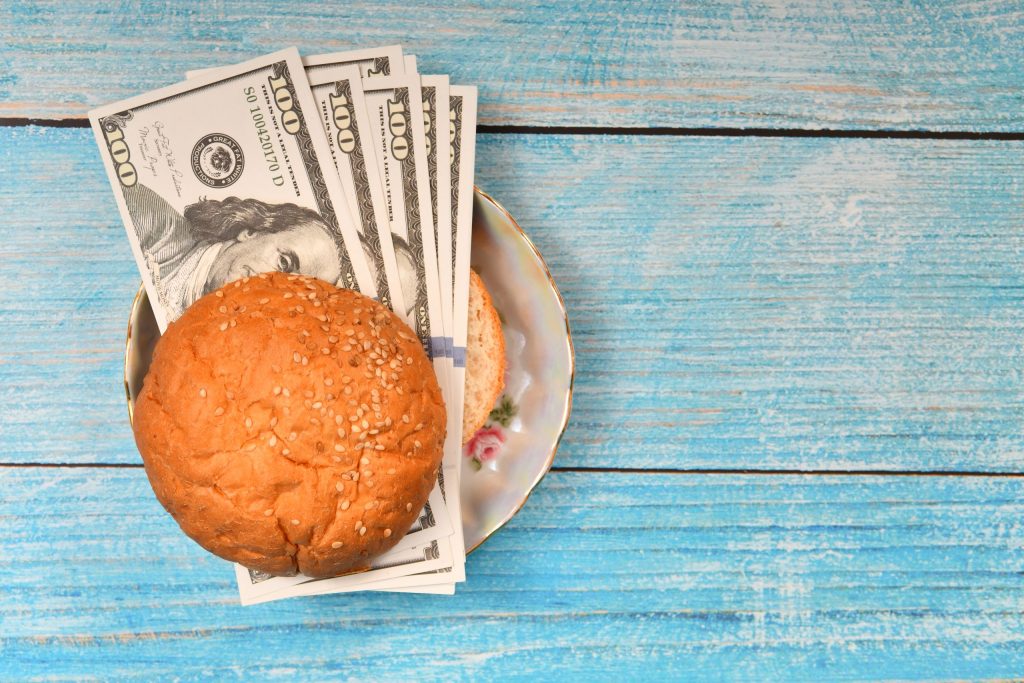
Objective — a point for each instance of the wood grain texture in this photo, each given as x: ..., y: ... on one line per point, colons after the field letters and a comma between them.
x: 735, y: 302
x: 824, y: 64
x: 600, y: 576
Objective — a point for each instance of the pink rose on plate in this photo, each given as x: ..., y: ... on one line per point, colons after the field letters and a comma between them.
x: 485, y: 445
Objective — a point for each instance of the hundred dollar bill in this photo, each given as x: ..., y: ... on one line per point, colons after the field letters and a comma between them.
x: 220, y: 177
x: 338, y: 91
x: 339, y: 95
x: 395, y: 111
x: 374, y: 61
x: 462, y: 116
x: 436, y: 129
x: 462, y: 134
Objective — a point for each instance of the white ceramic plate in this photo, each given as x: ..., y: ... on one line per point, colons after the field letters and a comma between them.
x: 508, y: 457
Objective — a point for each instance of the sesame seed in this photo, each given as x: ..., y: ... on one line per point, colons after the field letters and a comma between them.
x: 285, y: 392
x: 368, y: 506
x: 218, y: 412
x: 268, y: 512
x: 295, y: 522
x: 223, y: 309
x: 391, y: 470
x: 202, y: 393
x: 300, y: 308
x: 277, y: 390
x: 305, y: 361
x: 365, y: 424
x: 362, y: 532
x: 264, y: 300
x: 345, y: 505
x: 355, y: 429
x: 220, y: 294
x: 223, y: 326
x: 340, y: 487
x: 285, y: 451
x: 250, y: 447
x: 248, y: 423
x: 419, y: 426
x: 296, y: 357
x: 325, y: 351
x: 364, y: 461
x: 341, y: 432
x: 338, y: 447
x: 293, y: 436
x: 328, y: 381
x: 417, y: 444
x: 232, y: 322
x: 336, y: 545
x: 398, y: 390
x: 273, y: 422
x: 405, y: 419
x: 230, y: 395
x: 408, y: 507
x: 332, y: 339
x: 272, y: 440
x: 379, y: 447
x: 288, y: 295
x: 387, y: 533
x: 318, y: 405
x: 359, y: 523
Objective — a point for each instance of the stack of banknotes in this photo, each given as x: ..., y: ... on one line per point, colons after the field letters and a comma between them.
x: 352, y: 167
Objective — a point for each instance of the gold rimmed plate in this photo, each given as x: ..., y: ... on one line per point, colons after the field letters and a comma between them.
x: 507, y: 458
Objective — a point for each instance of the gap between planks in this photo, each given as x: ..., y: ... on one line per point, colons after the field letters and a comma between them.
x: 627, y: 470
x: 15, y: 122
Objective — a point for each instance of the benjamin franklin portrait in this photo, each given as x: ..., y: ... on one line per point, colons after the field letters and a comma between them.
x: 219, y: 241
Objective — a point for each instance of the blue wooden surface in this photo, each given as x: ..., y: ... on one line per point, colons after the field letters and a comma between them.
x: 940, y: 65
x: 752, y: 304
x: 744, y: 303
x: 603, y: 576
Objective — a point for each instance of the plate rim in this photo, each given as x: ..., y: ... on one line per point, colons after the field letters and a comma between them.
x: 141, y: 294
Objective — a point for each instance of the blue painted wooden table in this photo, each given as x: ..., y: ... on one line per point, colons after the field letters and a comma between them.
x: 790, y: 239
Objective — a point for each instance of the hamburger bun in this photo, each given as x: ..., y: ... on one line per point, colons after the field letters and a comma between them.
x: 291, y: 426
x: 485, y: 359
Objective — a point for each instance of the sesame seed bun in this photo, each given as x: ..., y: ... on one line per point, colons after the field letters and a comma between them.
x: 291, y: 426
x: 485, y: 359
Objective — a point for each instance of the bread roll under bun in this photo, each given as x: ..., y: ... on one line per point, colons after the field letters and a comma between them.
x: 485, y: 359
x: 291, y: 426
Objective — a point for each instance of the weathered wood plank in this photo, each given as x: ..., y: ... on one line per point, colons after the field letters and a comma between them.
x: 735, y: 302
x: 876, y: 64
x: 600, y: 575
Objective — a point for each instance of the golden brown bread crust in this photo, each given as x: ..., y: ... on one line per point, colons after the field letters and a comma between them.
x: 485, y: 359
x: 289, y: 425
